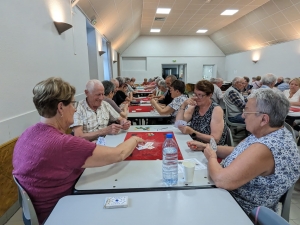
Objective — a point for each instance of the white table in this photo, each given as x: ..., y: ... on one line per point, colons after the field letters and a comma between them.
x: 140, y: 175
x: 179, y: 207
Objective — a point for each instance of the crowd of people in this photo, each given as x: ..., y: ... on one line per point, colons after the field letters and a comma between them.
x: 258, y: 171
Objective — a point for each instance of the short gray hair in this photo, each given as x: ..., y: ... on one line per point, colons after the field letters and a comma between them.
x: 108, y: 87
x: 236, y: 79
x: 268, y: 79
x: 273, y: 103
x: 213, y: 80
x: 91, y: 84
x: 287, y: 80
x: 121, y: 81
x: 162, y: 83
x: 126, y: 79
x: 173, y: 78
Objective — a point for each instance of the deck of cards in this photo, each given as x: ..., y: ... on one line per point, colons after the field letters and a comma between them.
x: 213, y: 144
x: 147, y: 145
x: 116, y: 202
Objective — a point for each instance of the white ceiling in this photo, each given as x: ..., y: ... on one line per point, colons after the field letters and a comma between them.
x: 259, y: 22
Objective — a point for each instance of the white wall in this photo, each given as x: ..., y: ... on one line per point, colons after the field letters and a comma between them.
x: 191, y: 50
x: 31, y: 51
x: 281, y: 59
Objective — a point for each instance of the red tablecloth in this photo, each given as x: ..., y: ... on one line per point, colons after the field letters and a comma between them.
x: 139, y: 108
x: 294, y: 109
x: 145, y: 99
x: 157, y: 138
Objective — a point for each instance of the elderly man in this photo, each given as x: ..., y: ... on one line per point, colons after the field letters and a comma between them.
x: 235, y: 101
x: 285, y: 85
x: 217, y: 95
x: 93, y: 114
x: 267, y: 81
x: 167, y: 98
x: 279, y: 81
x: 109, y: 91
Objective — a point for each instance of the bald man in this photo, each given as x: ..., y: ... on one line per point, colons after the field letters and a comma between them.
x: 93, y: 115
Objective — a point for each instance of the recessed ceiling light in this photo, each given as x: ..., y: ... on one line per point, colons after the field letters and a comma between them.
x: 229, y: 12
x: 201, y: 31
x: 155, y: 30
x: 163, y: 10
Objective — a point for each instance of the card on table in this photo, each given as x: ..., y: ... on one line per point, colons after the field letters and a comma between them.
x: 116, y: 202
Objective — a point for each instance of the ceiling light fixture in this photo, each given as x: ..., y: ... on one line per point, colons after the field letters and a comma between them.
x: 155, y: 30
x: 163, y: 10
x: 229, y: 12
x: 201, y: 31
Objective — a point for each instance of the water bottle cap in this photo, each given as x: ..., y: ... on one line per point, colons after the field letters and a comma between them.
x: 170, y: 135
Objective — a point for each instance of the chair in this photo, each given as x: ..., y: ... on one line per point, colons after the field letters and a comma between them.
x: 229, y: 140
x: 286, y: 203
x: 28, y: 209
x: 264, y: 216
x: 234, y: 124
x: 287, y: 126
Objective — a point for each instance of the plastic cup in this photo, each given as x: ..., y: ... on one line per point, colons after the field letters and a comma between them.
x: 188, y: 171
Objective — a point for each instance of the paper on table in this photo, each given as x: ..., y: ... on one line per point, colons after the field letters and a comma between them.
x: 199, y: 165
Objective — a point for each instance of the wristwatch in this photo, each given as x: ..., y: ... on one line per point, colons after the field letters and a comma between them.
x: 193, y: 135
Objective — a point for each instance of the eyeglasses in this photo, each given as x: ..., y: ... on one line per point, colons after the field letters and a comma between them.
x: 252, y: 112
x: 198, y: 95
x: 75, y: 104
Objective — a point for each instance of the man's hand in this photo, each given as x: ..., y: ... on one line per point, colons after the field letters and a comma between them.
x: 113, y: 129
x: 185, y: 129
x: 125, y: 124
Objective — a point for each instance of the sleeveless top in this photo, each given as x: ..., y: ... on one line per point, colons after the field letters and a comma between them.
x: 267, y: 190
x: 202, y: 123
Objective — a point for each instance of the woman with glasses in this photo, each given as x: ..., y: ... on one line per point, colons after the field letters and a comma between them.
x: 47, y: 161
x: 260, y: 169
x: 206, y: 117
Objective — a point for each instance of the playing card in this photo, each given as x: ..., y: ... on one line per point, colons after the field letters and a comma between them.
x: 180, y: 123
x: 213, y: 144
x: 101, y: 141
x: 116, y: 202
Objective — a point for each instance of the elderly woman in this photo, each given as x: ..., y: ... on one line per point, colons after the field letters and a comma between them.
x: 121, y: 96
x: 109, y: 91
x: 266, y: 164
x: 206, y: 117
x: 293, y: 94
x: 177, y: 92
x: 47, y: 161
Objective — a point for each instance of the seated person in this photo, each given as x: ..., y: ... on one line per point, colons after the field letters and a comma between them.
x: 279, y: 81
x: 129, y: 88
x: 260, y: 169
x: 293, y: 94
x: 285, y: 85
x: 247, y: 86
x: 235, y: 101
x: 256, y: 83
x: 109, y: 90
x: 217, y: 94
x: 267, y: 81
x: 177, y: 92
x: 47, y: 162
x: 145, y: 82
x: 132, y: 81
x: 205, y: 116
x: 166, y: 99
x: 93, y: 115
x: 162, y: 89
x: 120, y: 96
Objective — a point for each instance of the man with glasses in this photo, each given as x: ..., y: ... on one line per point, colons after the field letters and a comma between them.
x: 235, y: 101
x: 93, y: 115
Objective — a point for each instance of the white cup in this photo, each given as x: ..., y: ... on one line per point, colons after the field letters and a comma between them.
x: 188, y: 171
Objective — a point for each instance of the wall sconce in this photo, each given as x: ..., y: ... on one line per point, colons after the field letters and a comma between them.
x: 115, y: 61
x: 255, y: 60
x: 101, y: 52
x: 62, y: 27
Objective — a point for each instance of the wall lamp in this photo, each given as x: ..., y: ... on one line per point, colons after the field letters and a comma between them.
x: 62, y: 27
x: 115, y: 61
x: 255, y: 60
x: 101, y: 52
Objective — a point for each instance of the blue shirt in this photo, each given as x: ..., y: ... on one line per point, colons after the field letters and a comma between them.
x: 283, y: 86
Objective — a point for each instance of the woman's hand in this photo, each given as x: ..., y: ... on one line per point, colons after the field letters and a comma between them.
x: 189, y: 101
x: 209, y: 153
x: 186, y: 129
x: 196, y: 145
x: 138, y: 140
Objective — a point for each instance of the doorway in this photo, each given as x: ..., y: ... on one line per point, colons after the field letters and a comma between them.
x: 179, y: 70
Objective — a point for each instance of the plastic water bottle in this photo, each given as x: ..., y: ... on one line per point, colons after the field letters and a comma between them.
x: 170, y: 161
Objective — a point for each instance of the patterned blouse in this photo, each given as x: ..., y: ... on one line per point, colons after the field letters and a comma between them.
x: 175, y: 104
x: 202, y: 123
x: 267, y: 190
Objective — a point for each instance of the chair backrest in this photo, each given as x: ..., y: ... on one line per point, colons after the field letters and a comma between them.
x: 28, y: 209
x: 264, y: 216
x: 286, y: 203
x: 287, y: 126
x: 229, y: 140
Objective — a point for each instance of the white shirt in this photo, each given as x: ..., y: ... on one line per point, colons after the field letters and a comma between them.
x: 294, y: 98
